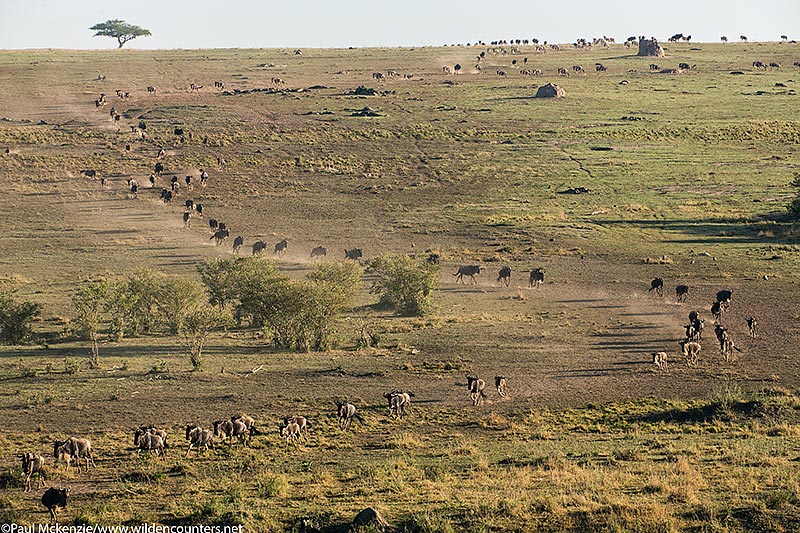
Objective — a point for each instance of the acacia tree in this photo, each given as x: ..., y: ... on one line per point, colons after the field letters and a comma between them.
x: 88, y: 301
x: 120, y: 30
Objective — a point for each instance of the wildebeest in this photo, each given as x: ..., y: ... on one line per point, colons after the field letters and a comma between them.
x: 73, y: 448
x: 280, y: 247
x: 299, y: 427
x: 752, y: 323
x: 166, y: 196
x: 89, y: 173
x: 433, y: 259
x: 355, y: 254
x: 234, y: 427
x: 537, y: 278
x: 500, y: 385
x: 691, y: 351
x: 724, y: 297
x: 319, y: 251
x: 399, y: 402
x: 660, y: 360
x: 774, y: 65
x: 159, y: 169
x: 759, y: 64
x: 54, y: 499
x: 238, y: 242
x: 291, y: 431
x: 653, y: 66
x: 33, y: 464
x: 504, y: 276
x: 599, y: 67
x: 198, y: 437
x: 146, y: 439
x: 716, y: 310
x: 693, y: 315
x: 657, y: 285
x: 685, y: 66
x: 151, y: 89
x: 346, y: 412
x: 219, y: 236
x: 469, y: 270
x: 681, y: 292
x: 563, y: 72
x: 476, y: 387
x: 187, y: 219
x: 726, y: 345
x: 258, y: 247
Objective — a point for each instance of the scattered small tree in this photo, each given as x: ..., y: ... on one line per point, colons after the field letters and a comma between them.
x: 88, y: 301
x: 120, y: 30
x: 404, y: 284
x: 196, y: 324
x: 16, y: 319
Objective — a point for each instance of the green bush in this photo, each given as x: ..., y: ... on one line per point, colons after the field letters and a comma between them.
x: 404, y: 284
x: 16, y: 319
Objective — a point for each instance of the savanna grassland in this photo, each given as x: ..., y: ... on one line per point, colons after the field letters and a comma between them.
x: 688, y: 179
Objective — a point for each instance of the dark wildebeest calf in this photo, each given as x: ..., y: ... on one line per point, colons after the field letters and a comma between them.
x: 681, y: 292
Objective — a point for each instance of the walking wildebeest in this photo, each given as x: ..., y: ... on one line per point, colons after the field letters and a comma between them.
x: 476, y: 387
x: 660, y: 360
x: 355, y: 254
x: 500, y: 385
x: 681, y: 292
x: 716, y: 311
x: 470, y: 270
x: 691, y: 351
x: 658, y: 286
x: 347, y: 411
x: 751, y: 326
x: 724, y: 297
x: 319, y: 251
x: 54, y: 499
x: 258, y: 247
x: 504, y: 277
x: 537, y: 278
x: 237, y: 243
x: 280, y: 248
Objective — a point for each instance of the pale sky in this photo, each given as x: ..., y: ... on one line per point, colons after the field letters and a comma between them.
x: 343, y: 23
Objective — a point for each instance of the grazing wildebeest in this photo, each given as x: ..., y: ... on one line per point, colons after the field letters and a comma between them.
x: 660, y: 360
x: 151, y: 89
x: 291, y: 431
x: 355, y: 254
x: 751, y: 326
x: 476, y: 387
x: 219, y: 236
x: 54, y: 499
x: 198, y: 437
x: 723, y: 39
x: 563, y: 72
x: 237, y: 243
x: 578, y: 68
x: 653, y: 66
x: 89, y: 173
x: 774, y: 65
x: 73, y: 448
x: 681, y: 292
x: 258, y: 247
x: 537, y: 278
x: 657, y: 285
x: 743, y: 38
x: 691, y: 351
x: 504, y: 277
x: 280, y: 248
x: 500, y: 385
x: 378, y: 76
x: 33, y: 464
x: 470, y: 270
x: 346, y: 412
x: 759, y: 64
x: 319, y: 251
x: 599, y: 67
